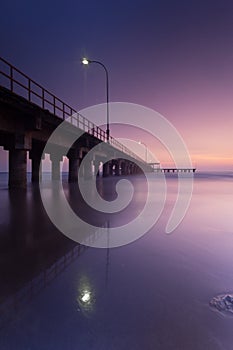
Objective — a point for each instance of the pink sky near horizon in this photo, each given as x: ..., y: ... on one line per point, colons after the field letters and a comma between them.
x: 205, y: 125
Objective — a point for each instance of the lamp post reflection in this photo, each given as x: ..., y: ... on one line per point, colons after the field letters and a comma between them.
x: 87, y: 294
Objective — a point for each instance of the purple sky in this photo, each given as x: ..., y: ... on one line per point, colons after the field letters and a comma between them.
x: 172, y: 56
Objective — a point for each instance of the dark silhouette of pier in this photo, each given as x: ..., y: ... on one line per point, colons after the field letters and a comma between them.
x: 29, y: 114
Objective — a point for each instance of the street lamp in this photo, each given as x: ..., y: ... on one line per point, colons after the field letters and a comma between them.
x: 85, y: 61
x: 142, y: 143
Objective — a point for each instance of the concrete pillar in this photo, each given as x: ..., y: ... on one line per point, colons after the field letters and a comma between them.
x: 36, y: 154
x: 116, y: 164
x: 117, y: 168
x: 36, y: 170
x: 73, y: 169
x: 135, y: 169
x: 17, y: 168
x: 88, y: 170
x: 97, y: 165
x: 123, y: 168
x: 56, y: 168
x: 86, y: 166
x: 110, y: 168
x: 106, y: 169
x: 130, y: 168
x: 127, y: 172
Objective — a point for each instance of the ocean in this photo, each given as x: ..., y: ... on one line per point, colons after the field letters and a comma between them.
x: 153, y: 293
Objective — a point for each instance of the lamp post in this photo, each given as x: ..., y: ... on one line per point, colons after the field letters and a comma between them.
x: 86, y: 62
x: 142, y: 143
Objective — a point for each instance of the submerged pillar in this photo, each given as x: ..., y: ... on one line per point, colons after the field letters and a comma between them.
x: 74, y: 162
x: 87, y: 167
x: 117, y: 168
x: 17, y: 168
x: 36, y: 155
x: 123, y: 168
x: 36, y: 170
x: 96, y: 163
x: 18, y: 146
x: 56, y: 168
x: 73, y: 169
x: 106, y: 169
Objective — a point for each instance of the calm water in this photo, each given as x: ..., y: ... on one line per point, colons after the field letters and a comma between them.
x: 151, y: 294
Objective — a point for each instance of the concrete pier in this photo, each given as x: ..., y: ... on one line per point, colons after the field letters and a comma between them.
x: 17, y: 168
x: 36, y: 155
x: 73, y: 169
x: 56, y: 168
x: 36, y: 170
x: 26, y: 124
x: 106, y: 169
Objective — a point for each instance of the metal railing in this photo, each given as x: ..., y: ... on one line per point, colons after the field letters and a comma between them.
x: 19, y: 83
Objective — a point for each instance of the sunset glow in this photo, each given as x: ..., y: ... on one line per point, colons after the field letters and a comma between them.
x: 186, y: 73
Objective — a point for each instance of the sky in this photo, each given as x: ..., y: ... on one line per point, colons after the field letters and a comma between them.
x: 175, y: 57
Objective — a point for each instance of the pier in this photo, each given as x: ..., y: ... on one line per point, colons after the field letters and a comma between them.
x: 29, y: 114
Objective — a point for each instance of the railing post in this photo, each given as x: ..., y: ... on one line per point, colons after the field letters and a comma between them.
x: 71, y: 116
x: 29, y: 90
x: 11, y: 77
x: 43, y: 98
x: 54, y: 105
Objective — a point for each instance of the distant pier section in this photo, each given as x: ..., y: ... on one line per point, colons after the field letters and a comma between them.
x: 157, y: 169
x: 175, y: 170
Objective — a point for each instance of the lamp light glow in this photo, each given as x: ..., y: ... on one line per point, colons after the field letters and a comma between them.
x: 85, y: 61
x: 86, y: 297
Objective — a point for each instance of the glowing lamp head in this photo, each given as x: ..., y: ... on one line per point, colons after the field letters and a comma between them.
x: 86, y: 297
x: 85, y: 61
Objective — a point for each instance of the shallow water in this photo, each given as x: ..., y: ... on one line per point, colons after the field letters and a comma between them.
x: 151, y: 294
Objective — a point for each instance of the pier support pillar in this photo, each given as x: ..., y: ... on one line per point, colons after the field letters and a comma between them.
x: 36, y: 170
x: 56, y: 173
x: 17, y: 168
x: 123, y: 168
x: 86, y: 166
x: 135, y: 169
x: 36, y: 156
x: 130, y: 168
x: 110, y: 168
x: 117, y: 169
x: 73, y: 169
x: 127, y: 172
x: 106, y: 169
x: 97, y: 165
x: 74, y: 162
x: 88, y: 170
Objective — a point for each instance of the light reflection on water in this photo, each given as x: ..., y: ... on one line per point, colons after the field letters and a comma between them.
x: 151, y: 294
x: 86, y: 295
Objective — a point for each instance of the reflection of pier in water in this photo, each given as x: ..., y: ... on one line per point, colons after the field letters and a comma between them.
x: 15, y: 303
x: 30, y: 290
